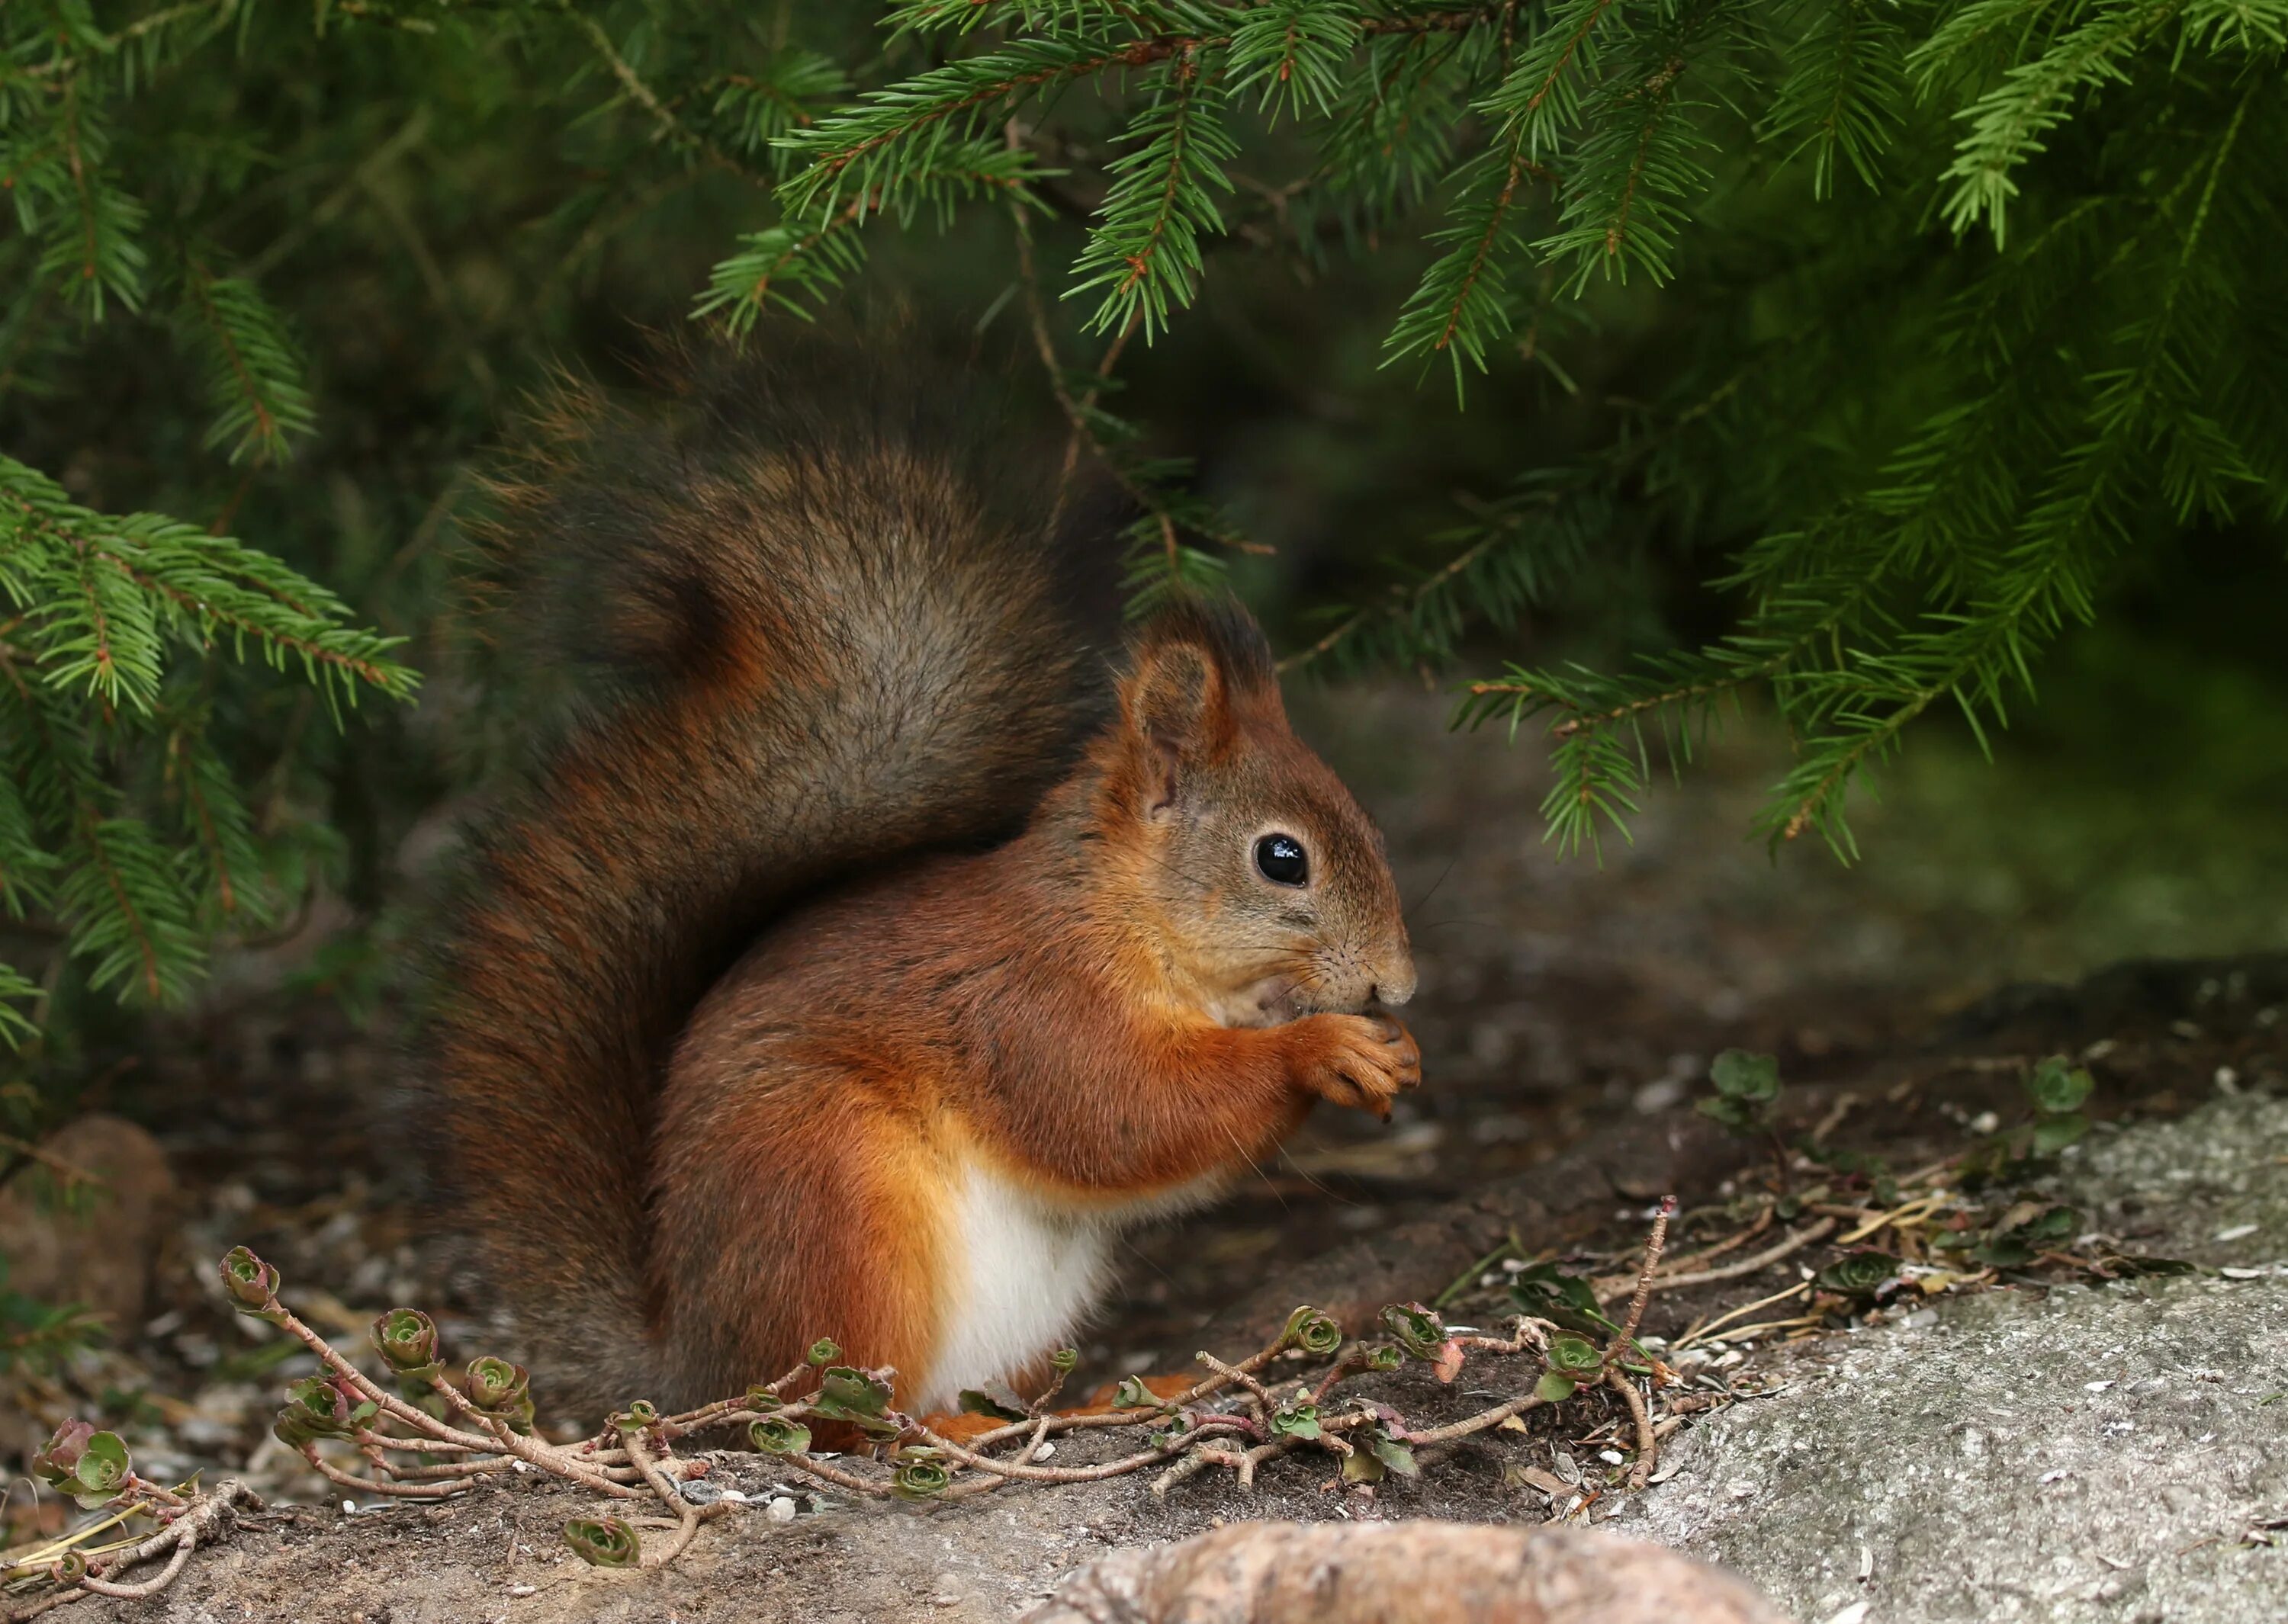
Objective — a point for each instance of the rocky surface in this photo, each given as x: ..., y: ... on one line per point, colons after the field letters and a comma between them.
x: 2118, y: 1452
x: 1400, y: 1574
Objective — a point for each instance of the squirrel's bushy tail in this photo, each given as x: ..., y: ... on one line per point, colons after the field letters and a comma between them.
x: 801, y: 621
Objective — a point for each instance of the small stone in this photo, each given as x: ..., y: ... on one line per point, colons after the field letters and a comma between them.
x: 100, y: 1255
x: 780, y: 1510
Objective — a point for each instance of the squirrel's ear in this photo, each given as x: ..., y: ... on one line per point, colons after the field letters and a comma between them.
x: 1179, y: 703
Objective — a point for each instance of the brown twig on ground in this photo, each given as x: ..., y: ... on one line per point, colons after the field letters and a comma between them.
x: 1627, y: 1334
x: 686, y: 1515
x: 208, y: 1518
x: 1793, y: 1243
x: 1700, y: 1332
x: 1647, y: 1441
x: 633, y: 1458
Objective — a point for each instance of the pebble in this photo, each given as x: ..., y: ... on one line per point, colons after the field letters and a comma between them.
x: 780, y: 1510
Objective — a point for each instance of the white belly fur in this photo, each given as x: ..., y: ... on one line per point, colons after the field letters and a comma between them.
x: 1027, y: 1272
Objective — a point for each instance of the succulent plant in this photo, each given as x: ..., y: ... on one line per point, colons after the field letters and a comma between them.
x: 603, y: 1541
x: 1314, y: 1332
x: 1418, y: 1330
x: 776, y: 1435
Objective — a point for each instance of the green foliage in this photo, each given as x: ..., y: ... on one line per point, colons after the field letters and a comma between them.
x: 36, y: 1337
x: 1574, y: 1363
x: 2057, y: 1090
x: 2038, y: 409
x: 1747, y: 1088
x: 604, y: 1541
x: 117, y: 817
x: 1858, y: 1275
x: 1915, y: 326
x: 2021, y: 1237
x: 90, y: 1466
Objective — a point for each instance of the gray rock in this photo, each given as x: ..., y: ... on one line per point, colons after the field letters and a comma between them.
x: 2085, y: 1454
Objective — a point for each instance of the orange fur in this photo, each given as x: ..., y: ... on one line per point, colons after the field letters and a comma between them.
x: 848, y: 943
x: 1014, y: 1007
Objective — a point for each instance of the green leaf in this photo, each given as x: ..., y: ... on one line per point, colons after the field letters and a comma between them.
x: 2056, y: 1224
x: 406, y: 1338
x: 2052, y: 1134
x: 1392, y: 1454
x: 1574, y: 1357
x: 102, y: 1469
x: 495, y: 1384
x: 775, y: 1434
x: 1554, y: 1388
x: 1417, y: 1329
x: 603, y: 1541
x: 1174, y: 1428
x: 1297, y: 1418
x: 854, y: 1396
x: 1858, y: 1275
x: 1294, y: 53
x: 254, y: 371
x: 251, y: 1283
x: 1547, y: 1293
x: 2057, y: 1088
x: 1313, y: 1331
x: 920, y: 1478
x: 995, y: 1400
x: 1143, y: 255
x: 1749, y: 1077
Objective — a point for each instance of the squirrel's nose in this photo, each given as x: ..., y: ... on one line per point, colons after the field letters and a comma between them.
x: 1395, y: 985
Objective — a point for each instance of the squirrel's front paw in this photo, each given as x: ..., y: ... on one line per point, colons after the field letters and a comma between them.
x: 1360, y: 1060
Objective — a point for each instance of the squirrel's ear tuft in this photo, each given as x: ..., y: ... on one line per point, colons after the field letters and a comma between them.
x: 1177, y: 699
x: 1195, y: 665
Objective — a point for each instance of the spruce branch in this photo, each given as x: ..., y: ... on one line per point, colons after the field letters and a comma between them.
x: 1465, y: 302
x: 867, y: 151
x: 1842, y: 98
x: 1541, y: 95
x: 1144, y: 248
x: 108, y: 608
x: 254, y: 371
x: 2008, y: 123
x: 1293, y: 54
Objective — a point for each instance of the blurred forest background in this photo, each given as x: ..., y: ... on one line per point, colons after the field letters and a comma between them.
x: 1815, y: 373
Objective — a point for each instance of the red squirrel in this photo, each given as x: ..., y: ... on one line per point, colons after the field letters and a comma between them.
x: 865, y: 948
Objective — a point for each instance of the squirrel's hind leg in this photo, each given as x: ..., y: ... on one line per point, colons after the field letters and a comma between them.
x: 789, y: 1213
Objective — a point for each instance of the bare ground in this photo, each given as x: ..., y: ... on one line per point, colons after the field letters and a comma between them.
x: 1568, y: 1013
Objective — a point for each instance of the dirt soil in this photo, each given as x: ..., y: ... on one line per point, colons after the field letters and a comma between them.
x: 497, y: 1554
x: 1567, y: 1016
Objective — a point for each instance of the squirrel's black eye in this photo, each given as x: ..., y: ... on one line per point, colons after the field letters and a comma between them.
x: 1279, y: 857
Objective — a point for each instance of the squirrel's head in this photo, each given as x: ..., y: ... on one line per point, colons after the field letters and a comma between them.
x: 1265, y: 884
